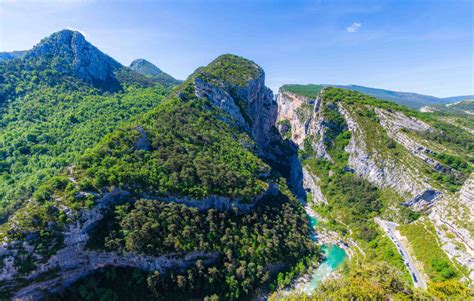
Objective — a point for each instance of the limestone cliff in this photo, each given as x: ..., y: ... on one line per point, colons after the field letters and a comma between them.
x: 453, y: 217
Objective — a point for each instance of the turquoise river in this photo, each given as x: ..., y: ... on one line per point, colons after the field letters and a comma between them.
x: 334, y: 257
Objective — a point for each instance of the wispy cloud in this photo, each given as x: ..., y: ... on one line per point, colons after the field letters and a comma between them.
x: 81, y: 31
x: 354, y: 27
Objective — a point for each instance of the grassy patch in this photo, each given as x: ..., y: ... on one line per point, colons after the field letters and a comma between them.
x: 423, y: 240
x: 311, y: 90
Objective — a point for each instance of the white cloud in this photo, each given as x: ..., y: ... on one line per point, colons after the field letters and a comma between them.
x: 354, y: 27
x: 81, y: 31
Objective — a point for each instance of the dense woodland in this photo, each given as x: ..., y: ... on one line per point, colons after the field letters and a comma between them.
x: 274, y: 234
x: 182, y: 147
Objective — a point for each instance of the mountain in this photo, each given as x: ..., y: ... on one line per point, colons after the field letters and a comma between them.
x: 411, y: 100
x: 187, y: 188
x: 56, y: 101
x: 68, y: 51
x: 458, y: 98
x: 5, y: 56
x: 146, y: 68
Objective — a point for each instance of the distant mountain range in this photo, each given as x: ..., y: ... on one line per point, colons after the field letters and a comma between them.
x: 4, y: 56
x: 412, y: 100
x: 465, y: 107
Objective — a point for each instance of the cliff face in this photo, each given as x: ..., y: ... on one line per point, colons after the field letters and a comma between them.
x: 249, y: 104
x: 382, y: 147
x: 379, y: 170
x: 453, y: 218
x: 305, y: 117
x: 307, y: 124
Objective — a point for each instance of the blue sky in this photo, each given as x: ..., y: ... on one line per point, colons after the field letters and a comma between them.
x: 416, y: 46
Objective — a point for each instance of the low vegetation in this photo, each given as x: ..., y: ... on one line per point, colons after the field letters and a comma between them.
x: 311, y: 90
x: 426, y: 249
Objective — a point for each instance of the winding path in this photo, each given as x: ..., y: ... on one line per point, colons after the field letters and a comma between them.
x: 389, y: 228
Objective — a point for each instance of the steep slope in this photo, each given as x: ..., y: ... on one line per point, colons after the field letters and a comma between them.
x: 181, y: 194
x: 65, y: 58
x: 149, y: 70
x: 411, y: 100
x: 365, y: 158
x: 55, y: 102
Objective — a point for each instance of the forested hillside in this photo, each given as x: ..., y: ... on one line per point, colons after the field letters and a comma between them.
x: 187, y: 180
x: 52, y: 109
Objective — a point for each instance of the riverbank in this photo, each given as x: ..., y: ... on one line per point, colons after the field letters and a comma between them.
x: 334, y: 251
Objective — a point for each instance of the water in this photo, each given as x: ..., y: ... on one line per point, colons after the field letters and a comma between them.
x: 334, y: 255
x: 313, y: 221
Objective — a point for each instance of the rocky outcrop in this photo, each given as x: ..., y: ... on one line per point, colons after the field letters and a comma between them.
x: 86, y: 61
x: 250, y: 106
x: 79, y: 265
x: 220, y: 203
x: 220, y: 98
x: 382, y: 172
x: 142, y: 143
x: 453, y: 218
x: 74, y: 262
x: 424, y: 200
x: 394, y: 122
x: 306, y: 119
x: 311, y: 183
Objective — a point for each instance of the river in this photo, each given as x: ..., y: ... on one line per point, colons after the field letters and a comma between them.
x: 334, y: 257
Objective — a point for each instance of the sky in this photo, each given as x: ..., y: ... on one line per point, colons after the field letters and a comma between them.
x: 416, y: 46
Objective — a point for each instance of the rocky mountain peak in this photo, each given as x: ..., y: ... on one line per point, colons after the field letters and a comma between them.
x: 69, y: 50
x: 237, y: 86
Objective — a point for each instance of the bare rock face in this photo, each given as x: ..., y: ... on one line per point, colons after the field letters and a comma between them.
x: 306, y: 119
x: 453, y: 218
x: 142, y: 142
x: 424, y: 200
x: 288, y: 104
x: 85, y: 60
x: 311, y: 184
x: 262, y: 109
x: 394, y: 122
x: 220, y: 98
x: 251, y: 107
x: 378, y: 171
x: 220, y: 203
